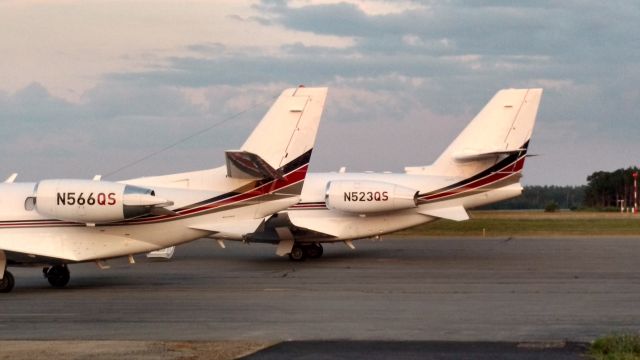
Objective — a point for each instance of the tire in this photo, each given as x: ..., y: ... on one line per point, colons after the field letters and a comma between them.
x: 58, y: 276
x: 297, y: 253
x: 7, y: 282
x: 313, y: 251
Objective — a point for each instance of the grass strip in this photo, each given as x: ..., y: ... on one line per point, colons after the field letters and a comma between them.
x: 616, y: 347
x: 533, y: 224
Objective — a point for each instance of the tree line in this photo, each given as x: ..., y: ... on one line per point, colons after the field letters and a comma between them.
x: 604, y: 191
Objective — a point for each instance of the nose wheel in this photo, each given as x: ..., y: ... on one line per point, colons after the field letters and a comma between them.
x: 7, y: 282
x: 57, y: 275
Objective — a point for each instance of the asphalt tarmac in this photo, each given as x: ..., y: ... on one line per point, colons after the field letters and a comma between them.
x: 435, y: 289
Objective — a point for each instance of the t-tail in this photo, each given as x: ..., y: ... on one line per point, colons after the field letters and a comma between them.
x: 489, y: 154
x: 279, y: 149
x: 281, y: 145
x: 499, y: 132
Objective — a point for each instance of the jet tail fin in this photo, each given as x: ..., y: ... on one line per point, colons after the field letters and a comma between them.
x: 502, y: 128
x: 286, y: 134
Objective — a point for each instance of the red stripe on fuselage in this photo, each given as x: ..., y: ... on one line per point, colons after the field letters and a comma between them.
x: 503, y: 173
x: 290, y: 179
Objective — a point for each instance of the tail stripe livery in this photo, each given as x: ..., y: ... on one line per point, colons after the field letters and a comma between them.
x: 509, y: 167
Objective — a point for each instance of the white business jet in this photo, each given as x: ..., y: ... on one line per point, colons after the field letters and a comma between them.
x: 483, y: 165
x: 56, y: 222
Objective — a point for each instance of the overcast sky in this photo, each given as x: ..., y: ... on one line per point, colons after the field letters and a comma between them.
x: 89, y: 86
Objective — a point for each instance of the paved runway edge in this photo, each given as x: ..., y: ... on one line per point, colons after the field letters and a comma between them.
x: 554, y: 350
x: 253, y: 350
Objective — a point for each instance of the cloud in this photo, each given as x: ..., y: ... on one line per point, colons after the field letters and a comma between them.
x: 425, y: 67
x: 115, y: 124
x: 33, y: 105
x: 579, y: 40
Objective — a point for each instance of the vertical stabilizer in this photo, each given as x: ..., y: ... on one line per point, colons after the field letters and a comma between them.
x: 288, y: 130
x: 503, y: 127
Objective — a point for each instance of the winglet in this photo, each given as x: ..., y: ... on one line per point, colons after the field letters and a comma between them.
x: 11, y: 178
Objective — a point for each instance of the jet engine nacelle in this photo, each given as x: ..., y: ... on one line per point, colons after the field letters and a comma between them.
x: 89, y: 201
x: 364, y: 197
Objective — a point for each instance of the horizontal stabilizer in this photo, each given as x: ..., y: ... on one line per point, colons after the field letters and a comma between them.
x: 246, y: 165
x: 233, y: 229
x: 473, y: 155
x: 455, y: 213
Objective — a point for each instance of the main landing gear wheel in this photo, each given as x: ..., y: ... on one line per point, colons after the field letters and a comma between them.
x: 297, y: 253
x: 7, y: 282
x: 57, y: 275
x: 313, y: 251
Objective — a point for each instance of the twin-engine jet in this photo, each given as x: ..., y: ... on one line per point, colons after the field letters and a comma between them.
x: 481, y: 166
x: 56, y: 222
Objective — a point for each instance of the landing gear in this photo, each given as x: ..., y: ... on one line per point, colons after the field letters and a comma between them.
x: 301, y: 252
x: 297, y: 253
x: 57, y: 275
x: 313, y: 251
x: 7, y: 282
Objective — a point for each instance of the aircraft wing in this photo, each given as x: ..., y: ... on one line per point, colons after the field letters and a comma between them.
x: 320, y: 223
x: 21, y: 259
x: 455, y: 213
x: 73, y: 244
x: 232, y: 230
x: 338, y: 226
